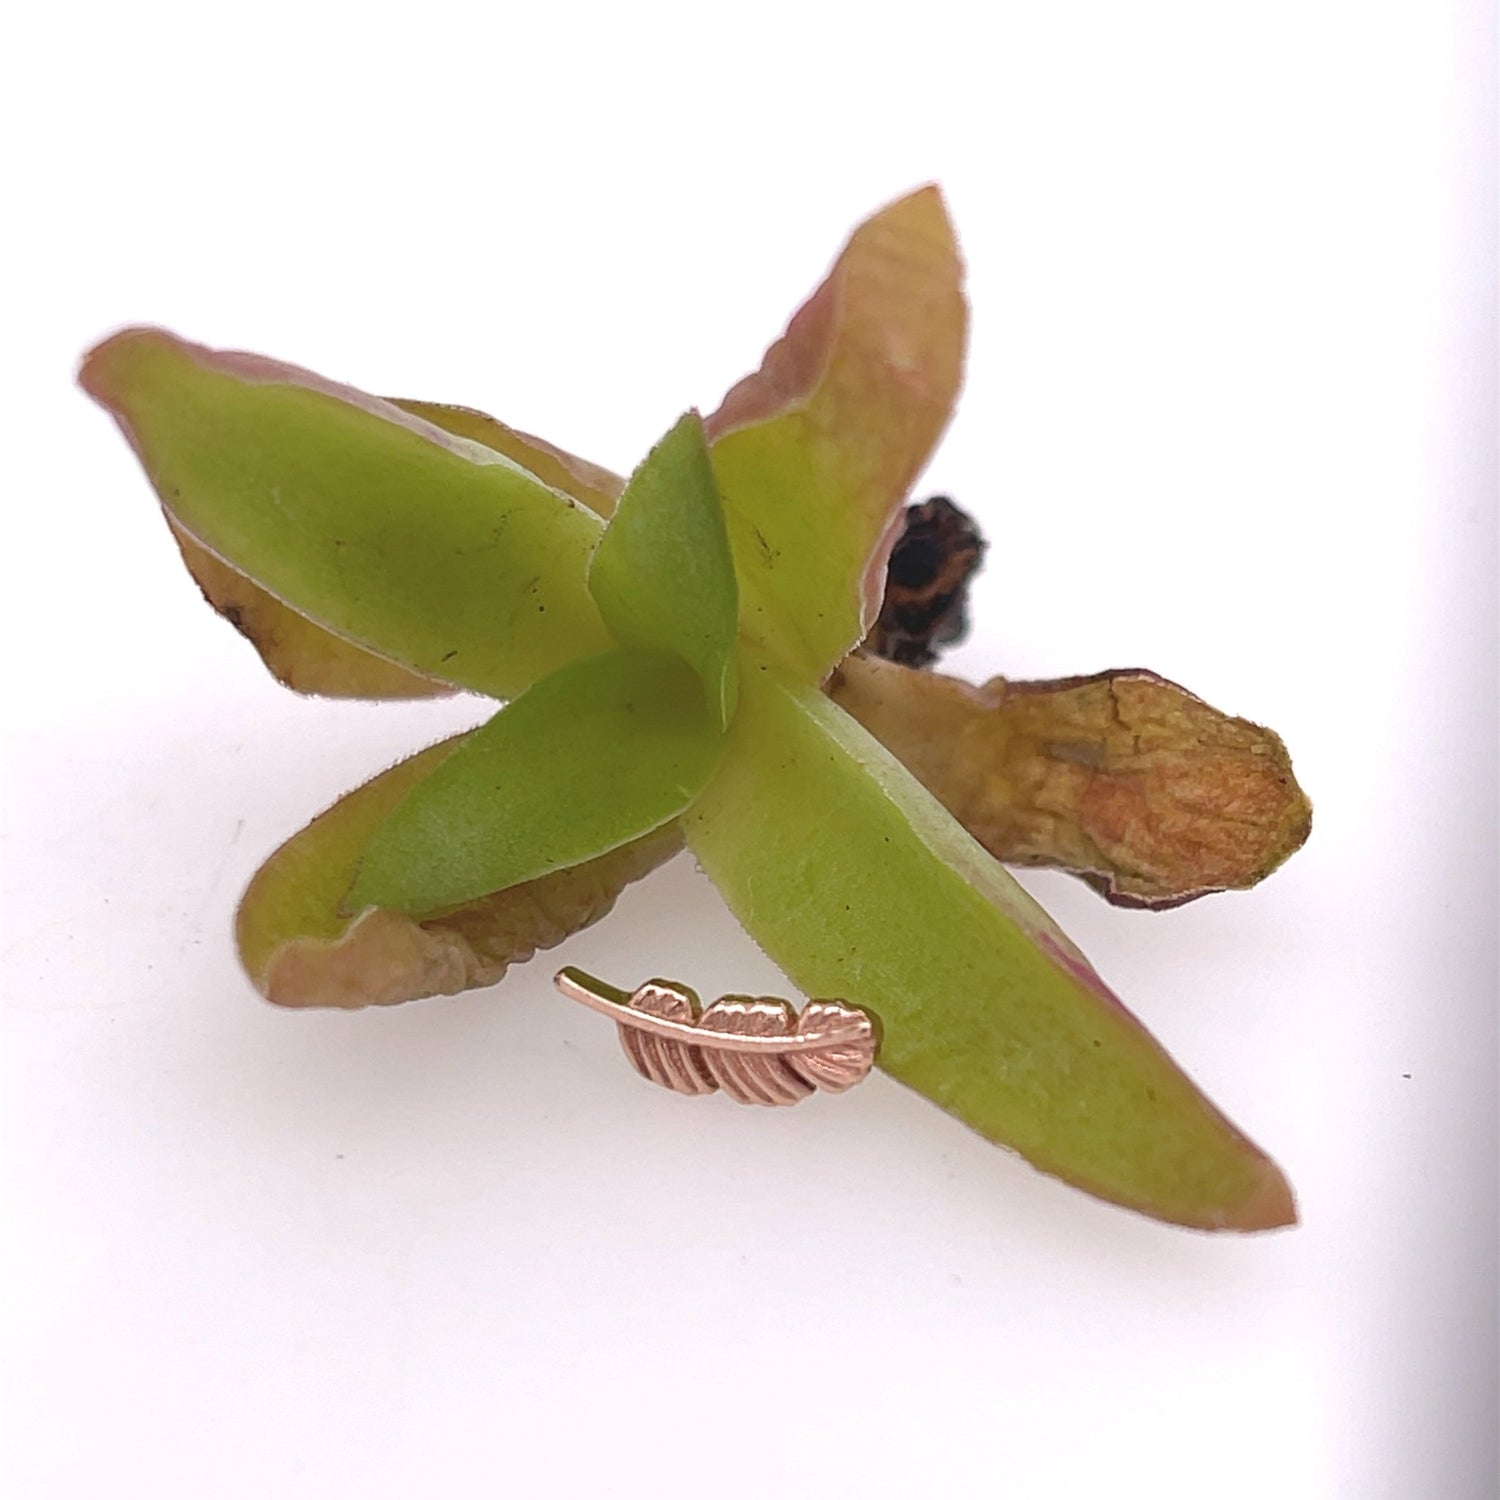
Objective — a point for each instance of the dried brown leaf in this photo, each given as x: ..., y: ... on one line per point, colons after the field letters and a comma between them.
x: 1122, y: 778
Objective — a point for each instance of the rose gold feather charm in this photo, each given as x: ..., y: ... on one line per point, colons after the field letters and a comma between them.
x: 759, y: 1051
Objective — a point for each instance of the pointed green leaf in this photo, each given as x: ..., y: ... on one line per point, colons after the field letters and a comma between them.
x: 599, y: 753
x: 858, y: 883
x: 816, y: 451
x: 305, y: 657
x: 663, y: 575
x: 301, y: 950
x: 426, y: 548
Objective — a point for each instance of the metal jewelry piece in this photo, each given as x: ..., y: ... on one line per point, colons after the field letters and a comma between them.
x: 759, y: 1051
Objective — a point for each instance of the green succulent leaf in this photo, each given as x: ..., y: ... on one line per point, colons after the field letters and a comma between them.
x: 428, y: 549
x: 601, y: 752
x: 298, y: 652
x: 858, y: 883
x: 663, y: 574
x: 591, y: 486
x: 816, y: 451
x: 300, y: 949
x: 305, y: 657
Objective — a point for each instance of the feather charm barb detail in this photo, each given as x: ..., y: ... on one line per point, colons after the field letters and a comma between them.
x: 759, y: 1051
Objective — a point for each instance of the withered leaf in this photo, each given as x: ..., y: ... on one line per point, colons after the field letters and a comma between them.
x: 1123, y: 778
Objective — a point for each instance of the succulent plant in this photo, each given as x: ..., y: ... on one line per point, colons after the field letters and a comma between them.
x: 680, y: 662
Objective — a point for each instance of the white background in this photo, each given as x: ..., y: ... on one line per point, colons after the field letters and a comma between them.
x: 1230, y: 415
